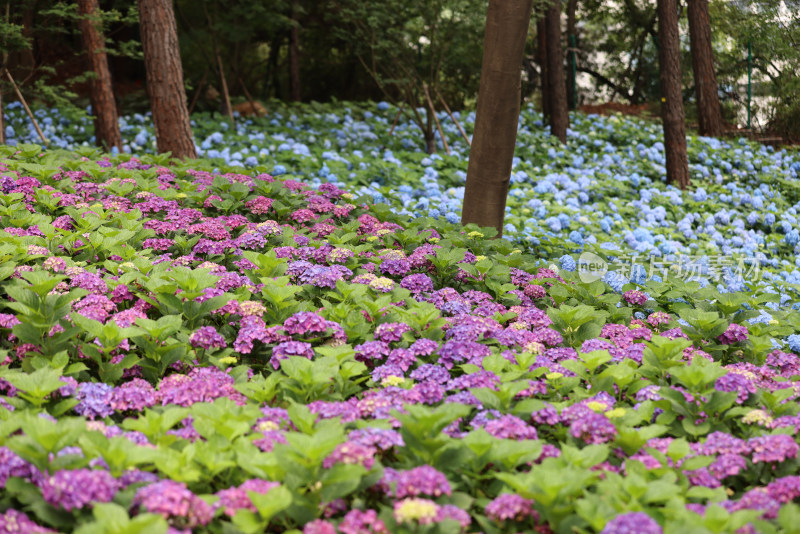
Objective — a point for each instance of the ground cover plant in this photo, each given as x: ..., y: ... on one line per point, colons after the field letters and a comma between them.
x: 603, y: 191
x: 265, y: 347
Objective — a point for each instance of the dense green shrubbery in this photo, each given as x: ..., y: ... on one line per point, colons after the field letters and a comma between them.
x: 231, y: 352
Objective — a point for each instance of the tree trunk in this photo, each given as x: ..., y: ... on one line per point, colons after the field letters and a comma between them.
x: 162, y: 61
x: 430, y: 136
x: 101, y: 92
x: 294, y: 56
x: 669, y: 60
x: 705, y: 79
x: 572, y: 40
x: 497, y: 114
x: 556, y: 81
x: 541, y: 39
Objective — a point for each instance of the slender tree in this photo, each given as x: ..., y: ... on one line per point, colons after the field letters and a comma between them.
x: 101, y: 92
x: 672, y: 117
x: 705, y: 78
x: 164, y: 73
x: 572, y: 30
x: 497, y: 114
x: 556, y: 81
x: 541, y: 51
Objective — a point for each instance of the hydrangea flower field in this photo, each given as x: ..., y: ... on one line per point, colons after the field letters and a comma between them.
x: 294, y: 335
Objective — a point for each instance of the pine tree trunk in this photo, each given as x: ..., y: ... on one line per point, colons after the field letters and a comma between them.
x: 497, y: 114
x: 556, y: 81
x: 162, y: 61
x: 294, y: 56
x: 705, y: 79
x: 541, y: 40
x: 101, y: 92
x: 669, y: 60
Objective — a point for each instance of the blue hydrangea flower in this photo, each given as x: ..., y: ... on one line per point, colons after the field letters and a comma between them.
x: 567, y: 263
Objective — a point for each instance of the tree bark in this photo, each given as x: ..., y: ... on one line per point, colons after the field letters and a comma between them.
x: 572, y: 29
x: 162, y: 61
x: 556, y: 81
x: 430, y: 136
x: 709, y: 113
x: 671, y: 96
x: 497, y: 113
x: 294, y: 56
x: 101, y: 92
x: 541, y: 40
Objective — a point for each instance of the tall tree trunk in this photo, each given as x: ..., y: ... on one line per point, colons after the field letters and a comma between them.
x: 669, y: 60
x: 101, y: 92
x: 572, y: 40
x: 497, y: 114
x: 162, y: 61
x: 705, y: 78
x: 556, y: 81
x: 294, y: 56
x: 541, y: 42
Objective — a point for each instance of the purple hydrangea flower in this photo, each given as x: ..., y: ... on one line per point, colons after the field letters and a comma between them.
x: 362, y: 522
x: 135, y: 395
x: 233, y: 499
x: 453, y: 352
x: 95, y: 400
x: 774, y: 448
x: 784, y: 489
x: 395, y: 267
x: 632, y: 523
x: 252, y: 329
x: 634, y: 297
x: 402, y: 358
x: 733, y: 334
x: 351, y: 452
x: 379, y: 438
x: 755, y: 499
x: 428, y: 372
x: 283, y: 351
x: 173, y: 501
x: 13, y: 522
x: 303, y: 323
x: 207, y: 337
x: 422, y: 480
x: 510, y: 506
x: 319, y: 526
x: 372, y: 350
x: 738, y: 383
x: 417, y: 283
x: 136, y: 476
x: 73, y: 489
x: 454, y: 513
x: 202, y: 384
x: 593, y: 428
x: 510, y: 427
x: 391, y: 332
x: 720, y: 443
x: 12, y: 465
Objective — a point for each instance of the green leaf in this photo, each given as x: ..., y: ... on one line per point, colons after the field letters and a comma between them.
x: 271, y: 503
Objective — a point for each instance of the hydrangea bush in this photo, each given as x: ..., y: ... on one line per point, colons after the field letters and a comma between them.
x: 199, y: 348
